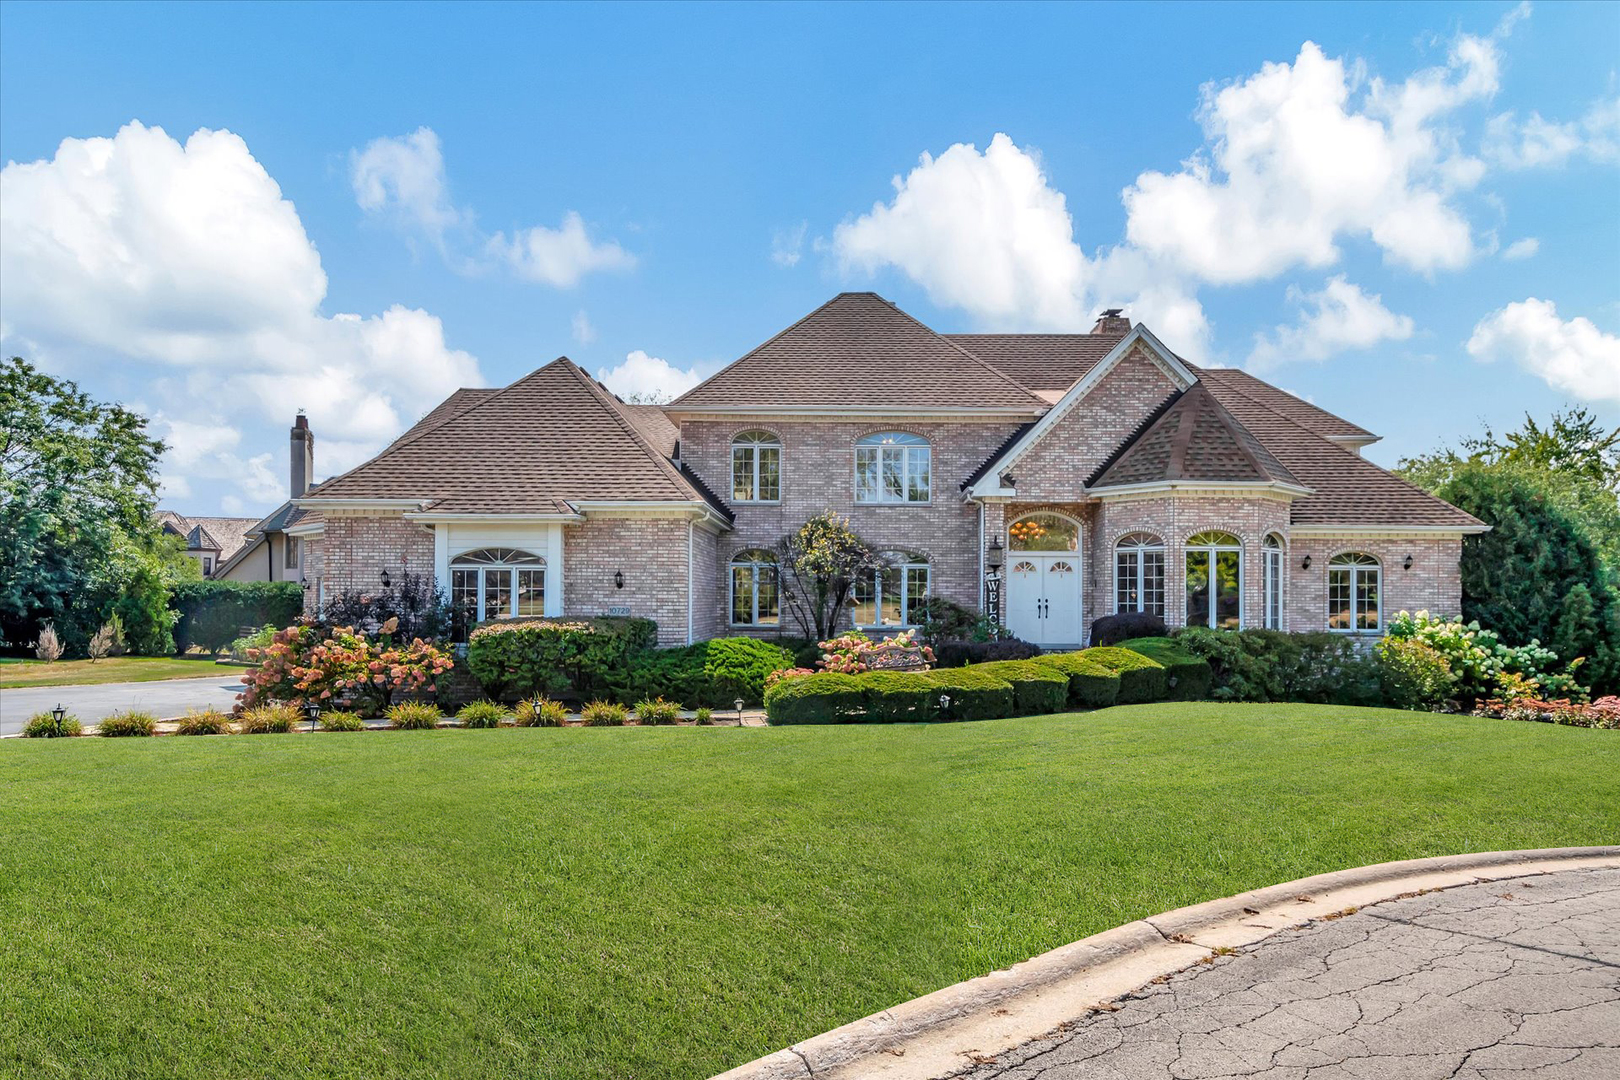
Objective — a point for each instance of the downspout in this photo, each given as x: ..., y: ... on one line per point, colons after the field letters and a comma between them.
x: 270, y: 555
x: 691, y: 527
x: 981, y: 556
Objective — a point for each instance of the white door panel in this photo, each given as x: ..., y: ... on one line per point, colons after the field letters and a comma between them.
x: 1043, y: 598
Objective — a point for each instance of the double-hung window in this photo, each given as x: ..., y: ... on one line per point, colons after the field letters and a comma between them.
x: 754, y: 595
x: 893, y: 595
x: 1271, y: 552
x: 893, y: 467
x: 1354, y: 593
x: 756, y: 468
x: 1139, y: 574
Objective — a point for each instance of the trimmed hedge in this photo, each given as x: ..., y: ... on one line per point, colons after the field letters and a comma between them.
x: 949, y: 654
x: 715, y: 672
x: 881, y: 697
x: 1037, y: 688
x: 824, y: 698
x: 535, y: 657
x: 1189, y: 676
x: 1091, y: 685
x: 1140, y: 679
x: 975, y: 693
x: 212, y: 613
x: 1118, y: 629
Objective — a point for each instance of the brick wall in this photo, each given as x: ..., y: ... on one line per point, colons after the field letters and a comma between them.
x: 357, y: 547
x: 707, y: 582
x: 1434, y: 583
x: 652, y: 554
x: 818, y: 473
x: 314, y: 572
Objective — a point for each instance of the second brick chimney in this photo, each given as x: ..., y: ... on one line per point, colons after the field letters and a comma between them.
x: 1113, y: 323
x: 302, y: 472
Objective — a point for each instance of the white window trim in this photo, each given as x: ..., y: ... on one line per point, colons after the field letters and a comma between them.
x: 484, y: 570
x: 1274, y: 576
x: 1355, y: 574
x: 754, y: 449
x: 865, y: 443
x: 902, y: 569
x: 1141, y: 550
x: 1209, y: 550
x: 753, y: 566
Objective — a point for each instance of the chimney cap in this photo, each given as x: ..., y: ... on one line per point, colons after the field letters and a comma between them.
x: 1108, y: 313
x: 301, y: 421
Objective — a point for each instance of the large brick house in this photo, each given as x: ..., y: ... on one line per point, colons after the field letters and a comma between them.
x: 1047, y: 478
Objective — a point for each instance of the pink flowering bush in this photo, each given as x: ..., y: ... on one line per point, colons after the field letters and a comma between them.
x: 787, y: 673
x: 851, y: 653
x: 301, y: 665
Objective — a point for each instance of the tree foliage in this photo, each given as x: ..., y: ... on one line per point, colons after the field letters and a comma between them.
x: 818, y: 566
x: 78, y: 542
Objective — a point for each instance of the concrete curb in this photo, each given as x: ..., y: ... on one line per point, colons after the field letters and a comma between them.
x: 937, y: 1034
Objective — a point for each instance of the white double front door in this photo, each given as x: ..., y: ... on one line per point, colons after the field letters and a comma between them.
x: 1043, y: 597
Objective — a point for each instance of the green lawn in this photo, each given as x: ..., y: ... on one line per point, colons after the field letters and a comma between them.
x: 20, y: 673
x: 671, y: 902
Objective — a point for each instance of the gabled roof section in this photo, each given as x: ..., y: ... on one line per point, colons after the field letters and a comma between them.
x: 1194, y: 439
x: 859, y: 351
x: 1049, y: 362
x: 989, y: 473
x: 549, y: 439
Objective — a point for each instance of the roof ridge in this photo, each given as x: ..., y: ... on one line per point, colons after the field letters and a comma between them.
x: 487, y: 391
x: 612, y: 404
x: 997, y: 372
x: 1251, y: 377
x: 1245, y: 436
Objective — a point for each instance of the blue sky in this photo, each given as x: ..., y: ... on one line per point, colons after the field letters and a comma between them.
x: 1408, y: 213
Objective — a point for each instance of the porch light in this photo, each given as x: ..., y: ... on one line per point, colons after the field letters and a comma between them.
x: 618, y: 579
x: 312, y: 709
x: 1407, y: 565
x: 59, y: 714
x: 385, y: 579
x: 994, y: 561
x: 1306, y: 565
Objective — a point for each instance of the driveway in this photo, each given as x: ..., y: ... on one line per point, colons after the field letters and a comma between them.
x: 1512, y: 978
x: 168, y: 697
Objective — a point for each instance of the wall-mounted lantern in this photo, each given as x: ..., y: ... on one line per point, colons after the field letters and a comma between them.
x: 618, y: 579
x: 1306, y: 565
x: 993, y: 561
x: 1407, y: 565
x: 385, y: 579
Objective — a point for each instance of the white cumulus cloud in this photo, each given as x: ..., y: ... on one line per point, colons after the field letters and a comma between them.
x: 787, y: 245
x: 1521, y: 249
x: 404, y: 176
x: 184, y: 262
x: 1571, y: 355
x: 650, y: 378
x: 584, y: 332
x: 1337, y: 318
x: 558, y: 257
x: 1536, y: 142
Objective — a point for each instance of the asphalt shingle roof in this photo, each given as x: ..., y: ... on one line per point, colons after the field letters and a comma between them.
x: 1193, y: 439
x: 859, y: 350
x: 1039, y: 361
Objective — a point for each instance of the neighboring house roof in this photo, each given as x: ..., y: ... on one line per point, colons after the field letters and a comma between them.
x: 1194, y: 438
x: 547, y: 441
x: 1050, y: 362
x: 859, y: 351
x: 223, y: 535
x: 1225, y: 382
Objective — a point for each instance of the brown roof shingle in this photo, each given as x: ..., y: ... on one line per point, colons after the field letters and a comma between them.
x: 549, y: 439
x: 859, y: 350
x: 1039, y: 361
x: 1225, y: 382
x: 1193, y: 439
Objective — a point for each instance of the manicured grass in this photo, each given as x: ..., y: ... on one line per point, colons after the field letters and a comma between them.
x: 656, y: 902
x: 19, y: 673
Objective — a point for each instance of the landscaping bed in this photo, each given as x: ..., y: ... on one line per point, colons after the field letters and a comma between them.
x: 517, y: 903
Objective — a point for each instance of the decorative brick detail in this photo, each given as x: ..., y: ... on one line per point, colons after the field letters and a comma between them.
x: 651, y: 552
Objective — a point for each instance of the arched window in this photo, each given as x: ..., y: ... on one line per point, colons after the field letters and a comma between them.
x: 1355, y: 593
x: 892, y: 596
x: 892, y: 467
x: 496, y: 583
x: 1271, y: 554
x: 1044, y: 532
x: 756, y: 467
x: 1214, y: 581
x: 1139, y: 574
x: 754, y: 596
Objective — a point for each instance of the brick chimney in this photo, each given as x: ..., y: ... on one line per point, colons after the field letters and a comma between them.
x: 303, y: 455
x: 1113, y: 323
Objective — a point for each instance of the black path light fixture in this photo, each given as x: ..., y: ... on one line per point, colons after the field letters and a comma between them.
x: 58, y: 714
x: 739, y: 704
x: 1407, y: 563
x: 385, y: 579
x: 312, y: 709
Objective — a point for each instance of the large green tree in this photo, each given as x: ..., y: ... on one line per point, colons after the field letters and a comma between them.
x: 78, y: 542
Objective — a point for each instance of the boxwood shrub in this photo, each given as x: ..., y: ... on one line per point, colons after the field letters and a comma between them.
x: 1189, y: 676
x: 714, y: 673
x: 898, y: 696
x: 1140, y: 679
x: 824, y: 698
x: 1091, y: 686
x: 1037, y: 688
x: 530, y: 657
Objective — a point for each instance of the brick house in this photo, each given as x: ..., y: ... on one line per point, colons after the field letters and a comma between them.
x: 1046, y: 478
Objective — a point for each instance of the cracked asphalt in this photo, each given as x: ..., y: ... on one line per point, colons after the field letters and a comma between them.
x: 1509, y: 979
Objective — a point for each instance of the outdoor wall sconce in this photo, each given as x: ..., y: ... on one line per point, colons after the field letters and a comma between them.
x: 1407, y: 565
x: 618, y: 579
x: 385, y: 579
x: 1306, y: 565
x: 994, y: 561
x: 312, y: 709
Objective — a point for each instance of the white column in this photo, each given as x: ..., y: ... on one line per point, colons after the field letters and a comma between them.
x: 554, y: 569
x: 441, y: 558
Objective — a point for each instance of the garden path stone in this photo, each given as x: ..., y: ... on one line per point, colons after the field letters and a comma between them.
x: 1516, y: 978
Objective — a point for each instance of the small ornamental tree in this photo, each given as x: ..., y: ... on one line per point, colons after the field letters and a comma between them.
x: 819, y: 565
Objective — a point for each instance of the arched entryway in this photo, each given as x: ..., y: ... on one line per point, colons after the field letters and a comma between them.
x: 1043, y: 579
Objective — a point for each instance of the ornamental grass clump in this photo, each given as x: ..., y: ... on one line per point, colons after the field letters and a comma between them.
x: 604, y: 714
x: 703, y: 715
x: 341, y: 720
x: 657, y: 711
x: 43, y: 726
x: 413, y: 716
x: 203, y: 722
x: 132, y: 722
x: 268, y: 720
x: 540, y: 712
x: 483, y: 714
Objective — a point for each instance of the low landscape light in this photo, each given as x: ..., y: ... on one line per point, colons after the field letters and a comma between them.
x: 944, y: 702
x: 58, y: 714
x: 312, y: 709
x: 739, y: 704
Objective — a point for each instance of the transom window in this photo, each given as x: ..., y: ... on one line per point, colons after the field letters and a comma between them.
x: 756, y: 467
x: 1139, y: 574
x: 497, y: 583
x: 892, y: 595
x: 1271, y: 553
x: 1214, y: 581
x: 1044, y: 532
x: 754, y: 596
x: 893, y: 467
x: 1354, y: 593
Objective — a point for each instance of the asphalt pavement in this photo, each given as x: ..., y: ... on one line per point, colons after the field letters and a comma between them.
x: 166, y: 698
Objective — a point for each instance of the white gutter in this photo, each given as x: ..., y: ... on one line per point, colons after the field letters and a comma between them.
x: 1199, y: 485
x: 852, y: 410
x: 428, y: 517
x: 316, y: 503
x: 1387, y: 530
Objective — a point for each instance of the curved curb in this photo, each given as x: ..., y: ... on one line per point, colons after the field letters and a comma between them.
x: 928, y: 1036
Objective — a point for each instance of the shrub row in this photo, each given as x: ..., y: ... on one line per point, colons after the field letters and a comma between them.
x: 712, y: 673
x: 212, y: 613
x: 1188, y: 677
x: 530, y: 657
